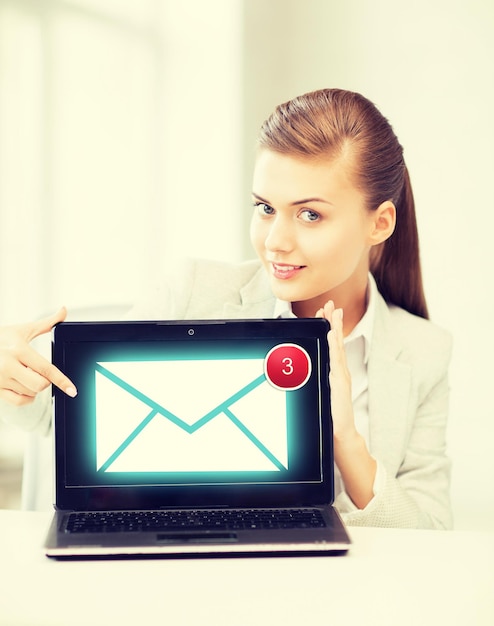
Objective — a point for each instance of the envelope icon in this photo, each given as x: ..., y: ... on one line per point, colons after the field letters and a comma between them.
x: 168, y: 416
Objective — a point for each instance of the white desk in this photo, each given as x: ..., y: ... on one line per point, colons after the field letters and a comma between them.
x: 390, y: 577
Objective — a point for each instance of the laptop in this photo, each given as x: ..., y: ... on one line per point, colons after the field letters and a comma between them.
x: 194, y: 438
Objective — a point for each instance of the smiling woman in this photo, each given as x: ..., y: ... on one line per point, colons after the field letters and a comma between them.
x: 338, y: 204
x: 317, y: 219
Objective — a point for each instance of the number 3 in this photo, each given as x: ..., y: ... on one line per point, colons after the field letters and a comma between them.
x: 289, y: 366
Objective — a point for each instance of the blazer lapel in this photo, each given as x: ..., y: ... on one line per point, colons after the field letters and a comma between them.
x: 256, y: 299
x: 389, y: 392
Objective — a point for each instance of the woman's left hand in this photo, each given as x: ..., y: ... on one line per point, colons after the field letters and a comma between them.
x: 339, y: 377
x: 357, y: 466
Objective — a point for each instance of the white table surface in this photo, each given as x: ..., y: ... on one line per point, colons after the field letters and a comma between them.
x: 395, y: 577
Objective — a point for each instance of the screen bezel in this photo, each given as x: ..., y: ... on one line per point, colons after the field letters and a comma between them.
x: 158, y: 496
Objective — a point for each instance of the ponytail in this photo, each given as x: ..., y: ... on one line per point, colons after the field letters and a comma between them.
x: 395, y: 264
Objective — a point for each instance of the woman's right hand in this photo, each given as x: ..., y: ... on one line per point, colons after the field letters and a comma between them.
x: 23, y: 371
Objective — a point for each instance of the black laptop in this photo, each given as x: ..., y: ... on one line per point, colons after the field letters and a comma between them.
x: 194, y: 438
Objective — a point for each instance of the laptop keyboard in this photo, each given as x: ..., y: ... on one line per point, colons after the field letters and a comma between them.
x: 229, y: 519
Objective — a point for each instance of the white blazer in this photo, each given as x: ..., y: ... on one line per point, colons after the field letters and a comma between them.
x: 408, y: 386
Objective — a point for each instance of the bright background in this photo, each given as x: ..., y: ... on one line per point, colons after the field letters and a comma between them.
x: 127, y: 132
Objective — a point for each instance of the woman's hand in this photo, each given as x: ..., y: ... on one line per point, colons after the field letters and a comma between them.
x: 339, y: 377
x: 23, y: 371
x: 356, y: 465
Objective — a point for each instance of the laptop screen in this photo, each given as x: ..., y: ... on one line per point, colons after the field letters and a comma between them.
x: 175, y: 412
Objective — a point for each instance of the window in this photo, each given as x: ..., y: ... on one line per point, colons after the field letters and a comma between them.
x: 119, y: 129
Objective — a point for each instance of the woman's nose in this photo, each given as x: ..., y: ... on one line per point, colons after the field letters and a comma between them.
x: 279, y: 236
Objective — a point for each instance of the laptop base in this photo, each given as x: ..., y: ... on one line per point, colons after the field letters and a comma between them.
x: 332, y: 540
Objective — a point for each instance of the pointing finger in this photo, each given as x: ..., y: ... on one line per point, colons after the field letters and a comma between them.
x: 54, y: 375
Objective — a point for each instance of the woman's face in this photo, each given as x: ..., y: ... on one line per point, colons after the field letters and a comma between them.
x: 311, y: 230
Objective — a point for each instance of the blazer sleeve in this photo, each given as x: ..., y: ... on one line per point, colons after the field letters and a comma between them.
x: 195, y: 289
x: 34, y: 417
x: 415, y: 469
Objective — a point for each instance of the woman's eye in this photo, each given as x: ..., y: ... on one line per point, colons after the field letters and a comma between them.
x: 263, y: 209
x: 309, y: 216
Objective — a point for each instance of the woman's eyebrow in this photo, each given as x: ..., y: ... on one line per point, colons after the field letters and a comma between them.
x: 307, y: 200
x: 261, y: 199
x: 296, y: 202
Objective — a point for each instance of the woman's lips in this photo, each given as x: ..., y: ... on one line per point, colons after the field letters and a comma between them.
x: 283, y: 271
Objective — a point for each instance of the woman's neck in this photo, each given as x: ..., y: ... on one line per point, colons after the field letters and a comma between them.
x: 354, y: 305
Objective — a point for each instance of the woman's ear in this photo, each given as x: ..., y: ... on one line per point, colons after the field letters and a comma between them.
x: 383, y: 222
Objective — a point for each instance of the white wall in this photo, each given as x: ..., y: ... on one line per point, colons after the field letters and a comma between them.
x: 201, y: 129
x: 428, y: 66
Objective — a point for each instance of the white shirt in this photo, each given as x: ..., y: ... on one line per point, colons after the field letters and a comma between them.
x: 357, y: 348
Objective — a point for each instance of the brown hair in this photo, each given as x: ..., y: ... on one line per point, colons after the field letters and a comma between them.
x: 333, y: 123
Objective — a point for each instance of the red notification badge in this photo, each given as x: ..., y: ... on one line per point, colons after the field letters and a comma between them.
x: 287, y: 366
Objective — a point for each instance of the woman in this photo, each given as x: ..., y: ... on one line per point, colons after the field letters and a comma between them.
x: 335, y: 231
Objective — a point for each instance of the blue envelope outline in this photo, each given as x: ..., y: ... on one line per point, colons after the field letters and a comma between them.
x: 159, y: 410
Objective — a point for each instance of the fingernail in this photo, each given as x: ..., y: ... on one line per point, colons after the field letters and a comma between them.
x: 71, y: 391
